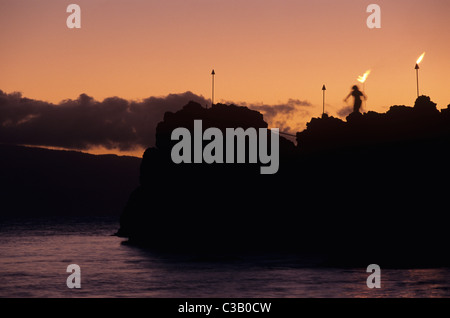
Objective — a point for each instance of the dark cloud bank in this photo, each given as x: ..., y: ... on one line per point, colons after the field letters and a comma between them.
x: 113, y: 123
x: 85, y: 122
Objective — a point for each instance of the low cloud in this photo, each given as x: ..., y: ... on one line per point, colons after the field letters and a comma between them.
x: 345, y: 111
x: 114, y: 123
x: 290, y: 117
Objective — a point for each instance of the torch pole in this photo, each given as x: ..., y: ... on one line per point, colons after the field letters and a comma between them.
x: 323, y: 103
x: 323, y: 99
x: 212, y: 97
x: 417, y: 78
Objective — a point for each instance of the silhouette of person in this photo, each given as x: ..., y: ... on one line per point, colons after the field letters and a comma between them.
x: 357, y: 95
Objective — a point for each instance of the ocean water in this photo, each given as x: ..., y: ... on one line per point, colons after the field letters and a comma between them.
x: 35, y: 253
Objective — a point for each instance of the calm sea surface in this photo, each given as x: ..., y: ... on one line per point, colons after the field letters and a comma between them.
x: 34, y: 255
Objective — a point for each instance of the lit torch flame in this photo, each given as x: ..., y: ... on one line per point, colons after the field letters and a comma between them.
x: 420, y: 58
x: 363, y: 78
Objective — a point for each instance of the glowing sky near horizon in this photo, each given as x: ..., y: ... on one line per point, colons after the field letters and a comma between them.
x: 263, y: 51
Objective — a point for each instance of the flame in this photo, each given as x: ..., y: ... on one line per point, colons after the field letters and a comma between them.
x: 363, y: 78
x: 420, y: 58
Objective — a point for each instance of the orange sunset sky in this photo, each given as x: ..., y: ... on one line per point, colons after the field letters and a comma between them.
x: 263, y: 51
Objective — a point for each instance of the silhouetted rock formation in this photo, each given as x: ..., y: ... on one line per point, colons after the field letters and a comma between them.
x: 368, y: 190
x: 399, y: 124
x: 385, y: 176
x: 203, y: 207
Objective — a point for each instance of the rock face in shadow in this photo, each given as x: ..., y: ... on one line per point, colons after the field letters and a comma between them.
x: 385, y: 178
x: 371, y: 189
x: 203, y: 207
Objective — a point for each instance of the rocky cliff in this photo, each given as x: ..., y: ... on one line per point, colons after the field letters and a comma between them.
x: 366, y: 189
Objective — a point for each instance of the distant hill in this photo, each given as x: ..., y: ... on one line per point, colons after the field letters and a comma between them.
x: 38, y: 182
